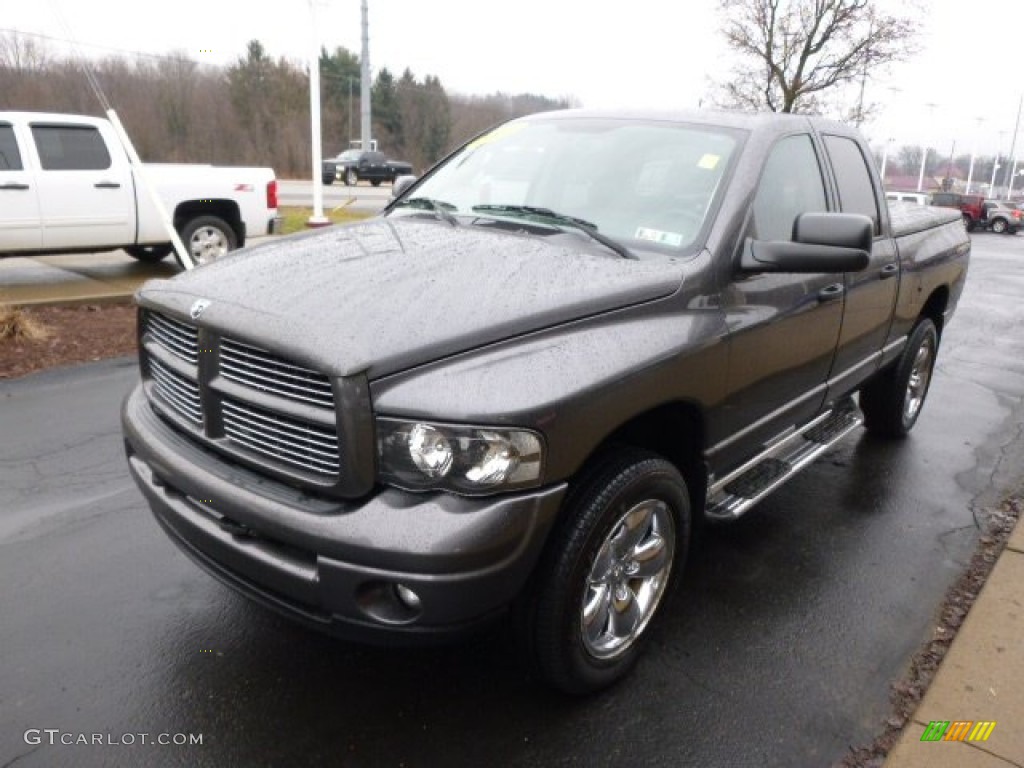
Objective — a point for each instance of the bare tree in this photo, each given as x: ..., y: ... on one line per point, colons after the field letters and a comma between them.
x: 793, y: 53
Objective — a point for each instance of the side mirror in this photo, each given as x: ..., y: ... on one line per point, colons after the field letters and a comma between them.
x: 822, y: 242
x: 402, y: 183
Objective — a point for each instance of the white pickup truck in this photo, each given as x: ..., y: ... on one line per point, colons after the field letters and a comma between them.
x: 66, y: 185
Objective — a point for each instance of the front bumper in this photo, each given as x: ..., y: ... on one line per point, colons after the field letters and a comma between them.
x: 336, y: 564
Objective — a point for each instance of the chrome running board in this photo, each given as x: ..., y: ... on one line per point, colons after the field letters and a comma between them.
x: 736, y: 492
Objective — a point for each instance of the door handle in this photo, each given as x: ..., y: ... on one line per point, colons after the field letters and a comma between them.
x: 13, y: 185
x: 889, y: 270
x: 831, y: 292
x: 107, y: 185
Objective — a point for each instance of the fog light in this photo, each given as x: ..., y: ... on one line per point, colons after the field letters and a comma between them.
x: 407, y: 597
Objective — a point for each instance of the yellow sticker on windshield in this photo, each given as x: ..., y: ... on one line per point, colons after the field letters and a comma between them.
x: 709, y: 162
x: 498, y: 133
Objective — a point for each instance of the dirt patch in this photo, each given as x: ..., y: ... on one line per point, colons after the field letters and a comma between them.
x: 908, y: 692
x: 44, y: 337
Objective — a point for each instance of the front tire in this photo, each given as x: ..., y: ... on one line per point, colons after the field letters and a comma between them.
x: 207, y: 238
x: 351, y: 177
x: 999, y: 226
x: 616, y: 551
x: 892, y: 401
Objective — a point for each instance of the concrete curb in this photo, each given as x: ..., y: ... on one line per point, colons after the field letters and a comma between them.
x: 981, y: 679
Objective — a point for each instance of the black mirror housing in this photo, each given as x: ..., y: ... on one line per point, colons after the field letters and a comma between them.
x: 822, y: 243
x: 844, y: 230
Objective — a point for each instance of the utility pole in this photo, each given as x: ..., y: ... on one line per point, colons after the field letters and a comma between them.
x: 1012, y: 157
x: 317, y: 219
x: 365, y: 89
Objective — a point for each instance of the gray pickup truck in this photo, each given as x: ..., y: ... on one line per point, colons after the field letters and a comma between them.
x: 512, y: 394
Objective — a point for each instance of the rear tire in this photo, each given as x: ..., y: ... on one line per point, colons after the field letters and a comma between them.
x: 616, y: 551
x: 892, y: 400
x: 968, y: 223
x: 207, y: 238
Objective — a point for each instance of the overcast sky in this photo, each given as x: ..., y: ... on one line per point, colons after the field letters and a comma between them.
x: 963, y: 86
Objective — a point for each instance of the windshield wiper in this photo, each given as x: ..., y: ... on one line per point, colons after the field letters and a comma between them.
x: 552, y: 217
x: 442, y: 209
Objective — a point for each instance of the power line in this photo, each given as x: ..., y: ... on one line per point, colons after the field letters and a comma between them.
x: 67, y: 41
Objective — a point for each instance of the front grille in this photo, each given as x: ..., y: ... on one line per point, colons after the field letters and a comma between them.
x: 179, y: 339
x: 274, y: 434
x: 177, y: 392
x: 267, y: 372
x: 299, y: 444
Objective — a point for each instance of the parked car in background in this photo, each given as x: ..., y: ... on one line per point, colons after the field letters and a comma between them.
x: 917, y: 198
x: 355, y: 165
x: 971, y: 207
x: 1003, y: 216
x: 66, y: 184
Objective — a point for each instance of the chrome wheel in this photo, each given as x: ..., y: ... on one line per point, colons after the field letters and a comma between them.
x: 208, y: 243
x: 627, y: 579
x: 917, y: 383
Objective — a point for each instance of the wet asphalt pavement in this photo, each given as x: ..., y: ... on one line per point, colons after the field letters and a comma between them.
x: 778, y: 650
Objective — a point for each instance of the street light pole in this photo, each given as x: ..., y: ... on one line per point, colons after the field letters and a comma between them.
x: 992, y: 184
x: 1009, y: 189
x: 974, y: 152
x: 885, y: 159
x: 1013, y: 141
x: 920, y: 177
x: 350, y: 108
x: 924, y: 148
x: 365, y: 83
x: 317, y: 219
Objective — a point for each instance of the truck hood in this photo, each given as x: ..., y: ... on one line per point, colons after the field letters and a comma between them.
x: 389, y: 294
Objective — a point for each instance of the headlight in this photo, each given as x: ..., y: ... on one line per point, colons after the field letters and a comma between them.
x: 418, y: 456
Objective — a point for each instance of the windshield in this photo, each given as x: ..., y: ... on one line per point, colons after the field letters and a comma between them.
x: 644, y: 183
x: 349, y: 154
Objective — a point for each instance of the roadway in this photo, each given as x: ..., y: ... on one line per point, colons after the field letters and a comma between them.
x: 779, y: 649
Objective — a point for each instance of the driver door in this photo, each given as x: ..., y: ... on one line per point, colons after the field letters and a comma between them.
x: 783, y: 328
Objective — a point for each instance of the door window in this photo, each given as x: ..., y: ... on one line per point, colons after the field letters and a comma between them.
x: 10, y: 157
x: 70, y: 148
x: 791, y: 184
x: 856, y: 192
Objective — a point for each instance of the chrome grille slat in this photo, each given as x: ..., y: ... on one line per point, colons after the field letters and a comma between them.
x: 291, y: 391
x: 287, y: 440
x: 179, y: 393
x: 295, y: 430
x: 264, y: 371
x: 177, y: 338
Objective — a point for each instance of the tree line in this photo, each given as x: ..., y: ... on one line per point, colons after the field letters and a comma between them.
x: 254, y: 111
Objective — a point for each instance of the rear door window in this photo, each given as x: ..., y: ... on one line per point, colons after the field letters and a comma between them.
x: 70, y: 148
x: 856, y: 192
